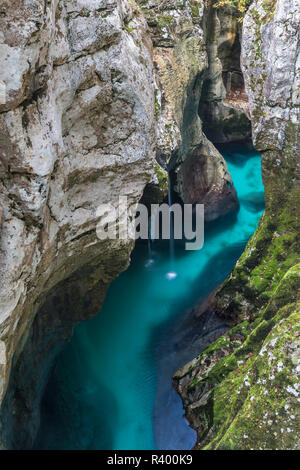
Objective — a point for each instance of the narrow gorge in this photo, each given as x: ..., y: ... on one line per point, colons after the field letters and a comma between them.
x: 111, y: 344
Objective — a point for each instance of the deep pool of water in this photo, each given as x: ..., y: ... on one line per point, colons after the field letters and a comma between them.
x: 103, y: 390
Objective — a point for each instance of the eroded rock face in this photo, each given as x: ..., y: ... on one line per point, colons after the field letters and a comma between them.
x: 182, y: 60
x: 87, y: 105
x: 77, y: 130
x: 224, y: 103
x: 204, y: 177
x: 243, y: 391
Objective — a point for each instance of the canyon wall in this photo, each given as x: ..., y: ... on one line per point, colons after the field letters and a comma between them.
x: 182, y: 64
x: 243, y: 392
x: 224, y: 107
x: 91, y: 92
x: 77, y: 130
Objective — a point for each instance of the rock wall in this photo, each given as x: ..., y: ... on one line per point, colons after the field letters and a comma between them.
x: 224, y: 107
x: 182, y: 60
x: 204, y: 177
x: 243, y: 392
x: 86, y: 104
x: 76, y: 130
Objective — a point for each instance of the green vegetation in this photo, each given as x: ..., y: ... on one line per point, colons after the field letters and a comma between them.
x: 248, y: 377
x: 162, y: 177
x: 156, y: 107
x: 128, y: 28
x: 195, y: 8
x: 241, y: 5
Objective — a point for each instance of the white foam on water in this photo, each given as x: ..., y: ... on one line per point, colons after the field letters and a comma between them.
x: 171, y: 275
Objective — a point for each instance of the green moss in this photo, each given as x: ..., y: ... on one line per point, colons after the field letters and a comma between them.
x: 268, y: 415
x: 164, y: 20
x: 249, y: 372
x: 128, y: 28
x: 235, y: 124
x: 162, y: 177
x: 240, y: 6
x: 273, y: 250
x: 195, y: 8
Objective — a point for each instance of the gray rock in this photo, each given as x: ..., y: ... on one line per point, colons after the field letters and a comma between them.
x: 272, y: 70
x: 77, y: 130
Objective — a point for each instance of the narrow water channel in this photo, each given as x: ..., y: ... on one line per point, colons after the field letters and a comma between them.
x: 110, y: 388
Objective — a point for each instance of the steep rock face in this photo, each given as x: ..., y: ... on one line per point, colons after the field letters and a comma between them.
x: 77, y: 130
x: 243, y: 392
x: 224, y: 106
x: 81, y: 110
x: 204, y: 177
x: 181, y: 61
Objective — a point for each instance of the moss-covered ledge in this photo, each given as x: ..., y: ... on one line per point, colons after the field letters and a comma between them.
x: 274, y: 249
x: 243, y: 392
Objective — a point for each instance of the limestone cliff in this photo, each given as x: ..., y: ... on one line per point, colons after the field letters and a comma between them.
x: 224, y: 106
x: 85, y: 103
x: 77, y: 130
x: 182, y: 64
x: 243, y: 392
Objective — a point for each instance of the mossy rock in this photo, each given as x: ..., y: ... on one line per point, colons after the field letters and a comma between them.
x: 157, y: 190
x: 252, y: 385
x: 251, y: 374
x: 258, y: 407
x: 272, y: 251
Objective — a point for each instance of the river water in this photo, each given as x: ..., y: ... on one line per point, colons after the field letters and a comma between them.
x: 111, y: 387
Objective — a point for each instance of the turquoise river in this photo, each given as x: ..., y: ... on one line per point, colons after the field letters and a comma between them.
x: 104, y: 391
